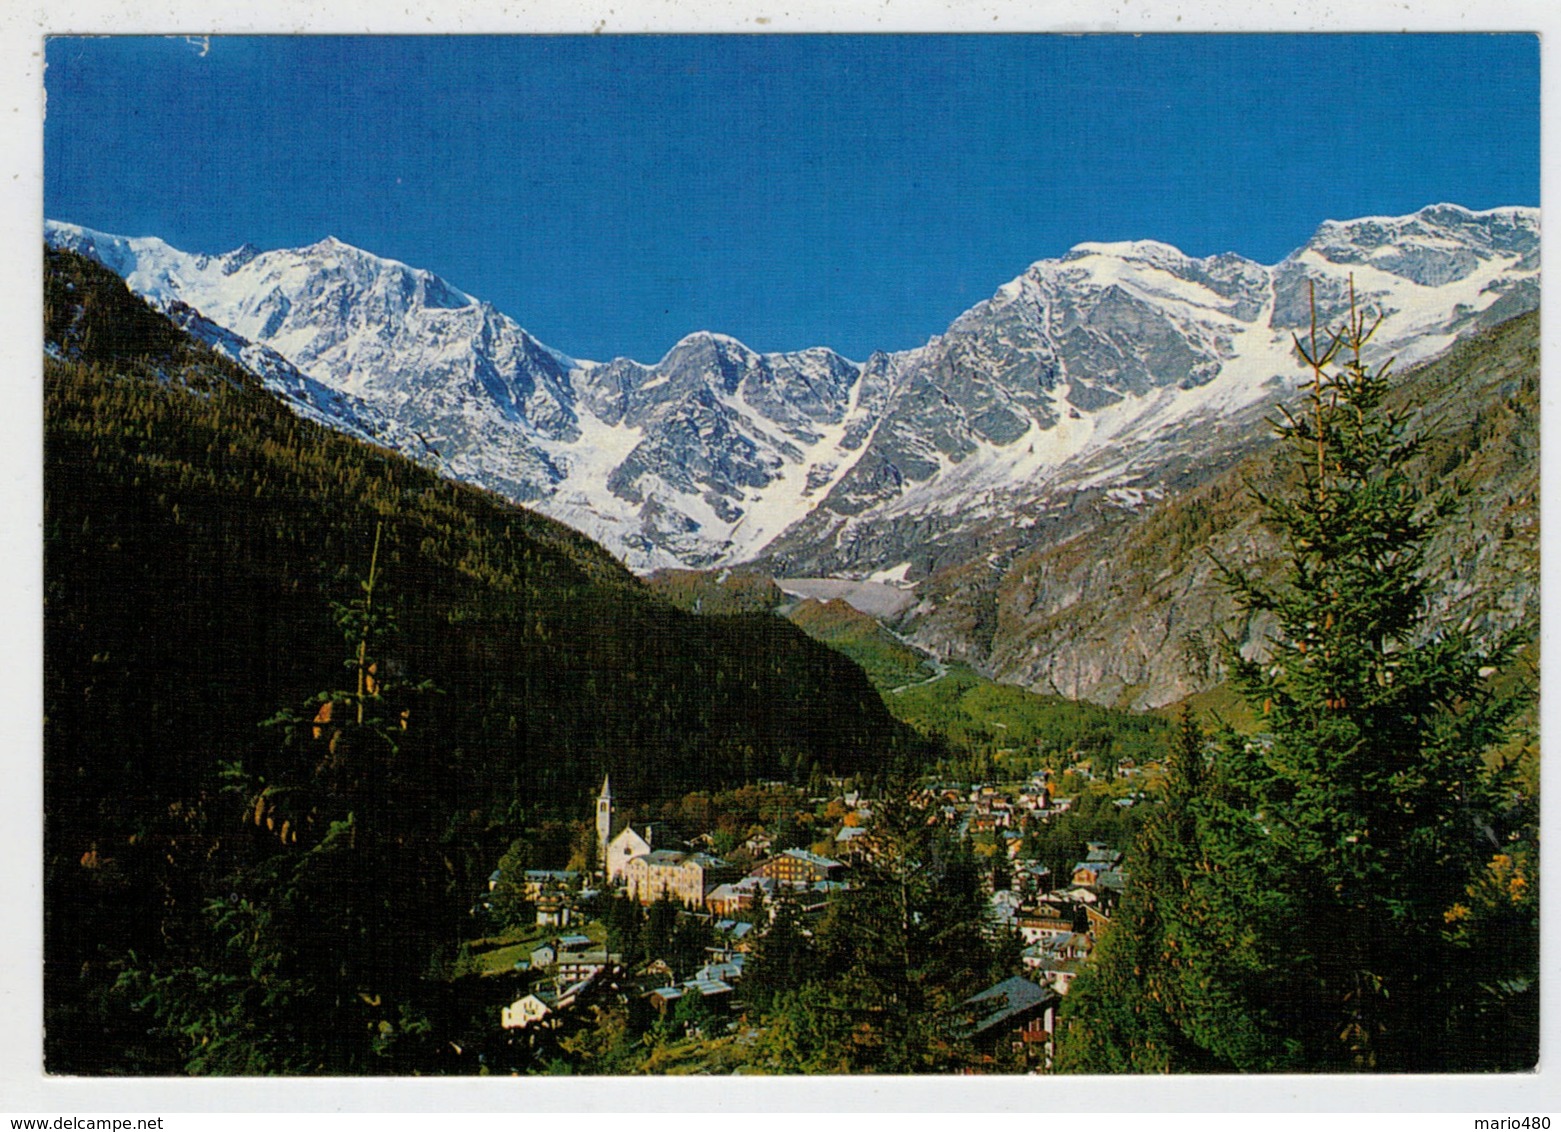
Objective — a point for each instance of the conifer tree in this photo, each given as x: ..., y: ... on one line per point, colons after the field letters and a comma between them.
x: 892, y: 956
x: 342, y: 902
x: 781, y: 957
x: 508, y: 902
x: 1371, y: 788
x: 1291, y: 911
x: 1167, y: 987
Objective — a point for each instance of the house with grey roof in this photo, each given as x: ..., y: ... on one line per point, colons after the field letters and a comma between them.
x: 1016, y: 1016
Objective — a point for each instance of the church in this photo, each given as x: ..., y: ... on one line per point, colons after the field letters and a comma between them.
x: 615, y: 847
x: 630, y: 860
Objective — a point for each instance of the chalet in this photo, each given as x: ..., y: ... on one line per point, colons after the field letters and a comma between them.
x: 662, y: 998
x: 1099, y: 860
x: 543, y: 957
x: 1096, y: 920
x: 1005, y: 906
x: 846, y: 840
x: 727, y: 972
x: 1070, y: 897
x: 1057, y: 973
x: 826, y: 888
x: 1035, y: 955
x: 539, y: 882
x: 713, y: 993
x: 1015, y: 1014
x: 1058, y: 962
x: 527, y: 1011
x: 1075, y: 946
x: 554, y: 911
x: 1031, y: 878
x: 1044, y: 924
x: 574, y: 966
x: 1034, y: 798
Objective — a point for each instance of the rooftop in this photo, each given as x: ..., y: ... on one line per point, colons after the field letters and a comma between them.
x: 811, y: 858
x: 1007, y: 1000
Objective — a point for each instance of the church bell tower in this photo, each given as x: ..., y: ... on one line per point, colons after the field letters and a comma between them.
x: 603, y: 821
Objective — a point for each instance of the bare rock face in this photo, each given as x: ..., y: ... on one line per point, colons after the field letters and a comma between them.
x: 1126, y: 606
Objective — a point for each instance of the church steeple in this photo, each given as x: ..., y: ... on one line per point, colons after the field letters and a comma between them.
x: 604, y: 819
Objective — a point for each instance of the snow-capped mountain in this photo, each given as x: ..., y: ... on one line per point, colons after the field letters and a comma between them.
x: 1112, y: 369
x: 702, y: 457
x: 1108, y: 371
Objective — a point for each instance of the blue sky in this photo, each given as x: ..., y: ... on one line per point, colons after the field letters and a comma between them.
x: 615, y: 193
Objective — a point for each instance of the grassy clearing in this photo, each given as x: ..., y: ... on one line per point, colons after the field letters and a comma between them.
x: 497, y: 954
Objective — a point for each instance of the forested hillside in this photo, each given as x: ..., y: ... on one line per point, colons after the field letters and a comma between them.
x: 213, y: 562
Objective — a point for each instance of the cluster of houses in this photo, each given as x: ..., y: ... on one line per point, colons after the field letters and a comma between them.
x: 988, y: 809
x: 576, y: 970
x: 1059, y: 924
x: 1057, y: 918
x: 1060, y: 927
x: 700, y: 880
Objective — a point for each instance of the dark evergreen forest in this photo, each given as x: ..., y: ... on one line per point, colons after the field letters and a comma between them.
x: 205, y: 549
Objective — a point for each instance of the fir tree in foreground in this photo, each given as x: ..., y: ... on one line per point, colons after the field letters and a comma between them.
x: 341, y: 893
x: 1352, y: 888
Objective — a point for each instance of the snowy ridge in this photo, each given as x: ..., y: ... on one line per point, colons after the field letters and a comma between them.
x: 1097, y: 371
x: 1107, y: 369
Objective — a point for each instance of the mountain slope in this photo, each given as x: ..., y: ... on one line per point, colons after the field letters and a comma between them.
x: 1112, y: 375
x: 199, y: 538
x: 656, y: 460
x: 1117, y: 368
x: 1123, y: 605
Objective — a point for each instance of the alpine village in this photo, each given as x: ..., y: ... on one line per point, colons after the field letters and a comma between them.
x: 354, y: 766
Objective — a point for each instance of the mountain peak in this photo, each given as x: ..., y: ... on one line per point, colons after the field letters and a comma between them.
x: 1149, y: 251
x: 239, y: 257
x: 700, y: 336
x: 332, y: 244
x: 708, y: 340
x: 1444, y: 215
